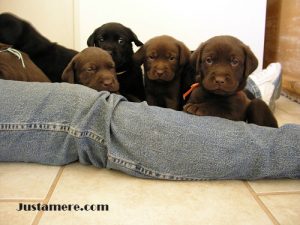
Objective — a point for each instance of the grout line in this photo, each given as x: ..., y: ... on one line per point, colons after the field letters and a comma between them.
x: 48, y: 196
x: 278, y: 193
x: 261, y: 204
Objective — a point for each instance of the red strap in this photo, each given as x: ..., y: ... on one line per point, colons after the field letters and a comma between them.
x: 193, y: 86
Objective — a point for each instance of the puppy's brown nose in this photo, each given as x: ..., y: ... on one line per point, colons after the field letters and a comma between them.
x: 107, y: 83
x: 159, y: 73
x: 219, y: 80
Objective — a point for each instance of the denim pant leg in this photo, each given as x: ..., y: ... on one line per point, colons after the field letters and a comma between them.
x: 54, y: 123
x: 153, y: 142
x: 253, y: 88
x: 61, y: 123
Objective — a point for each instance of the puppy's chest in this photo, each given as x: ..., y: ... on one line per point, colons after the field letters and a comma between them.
x: 161, y: 87
x: 231, y: 107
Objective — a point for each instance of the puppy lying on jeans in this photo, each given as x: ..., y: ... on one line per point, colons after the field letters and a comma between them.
x: 165, y: 61
x: 50, y: 57
x: 223, y: 64
x: 16, y: 65
x: 116, y: 39
x: 94, y: 68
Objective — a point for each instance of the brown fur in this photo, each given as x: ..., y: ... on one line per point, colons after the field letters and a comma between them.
x: 223, y: 64
x: 94, y: 68
x: 164, y: 59
x: 11, y: 67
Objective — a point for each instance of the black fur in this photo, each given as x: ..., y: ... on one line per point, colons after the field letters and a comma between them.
x: 50, y: 57
x: 117, y: 40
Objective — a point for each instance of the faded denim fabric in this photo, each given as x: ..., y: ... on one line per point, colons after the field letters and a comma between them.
x: 58, y: 124
x: 252, y: 87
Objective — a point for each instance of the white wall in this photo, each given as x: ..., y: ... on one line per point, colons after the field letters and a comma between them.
x: 191, y: 21
x: 70, y: 22
x: 53, y: 19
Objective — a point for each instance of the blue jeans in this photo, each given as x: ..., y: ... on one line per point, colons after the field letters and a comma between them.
x: 57, y: 124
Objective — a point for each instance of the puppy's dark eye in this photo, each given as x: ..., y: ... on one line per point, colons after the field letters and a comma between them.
x: 101, y: 39
x: 121, y: 41
x: 151, y: 57
x: 234, y: 62
x: 90, y: 69
x: 171, y: 58
x: 209, y: 61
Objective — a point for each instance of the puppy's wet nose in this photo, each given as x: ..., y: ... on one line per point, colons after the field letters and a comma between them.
x: 159, y: 72
x: 107, y: 83
x: 219, y: 79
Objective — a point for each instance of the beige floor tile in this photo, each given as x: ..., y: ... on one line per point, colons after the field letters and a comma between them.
x: 10, y: 216
x: 288, y: 106
x: 139, y: 201
x: 25, y: 181
x: 271, y: 186
x: 287, y: 111
x: 285, y: 208
x: 284, y: 118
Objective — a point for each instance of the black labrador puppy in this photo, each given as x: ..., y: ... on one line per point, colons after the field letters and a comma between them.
x: 50, y: 57
x: 117, y: 40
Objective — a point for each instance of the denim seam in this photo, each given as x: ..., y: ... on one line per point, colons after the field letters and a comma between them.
x: 52, y: 127
x: 148, y: 172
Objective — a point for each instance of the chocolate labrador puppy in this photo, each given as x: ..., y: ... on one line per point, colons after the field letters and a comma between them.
x: 223, y: 64
x: 16, y: 65
x: 117, y: 40
x: 94, y: 68
x: 50, y: 57
x: 165, y: 61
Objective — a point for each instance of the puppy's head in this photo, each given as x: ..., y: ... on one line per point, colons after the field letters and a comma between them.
x: 162, y: 57
x: 21, y: 34
x: 11, y: 28
x: 223, y: 63
x: 117, y: 40
x: 94, y: 68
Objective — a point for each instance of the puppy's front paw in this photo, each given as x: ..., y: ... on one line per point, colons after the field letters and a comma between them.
x: 195, y: 109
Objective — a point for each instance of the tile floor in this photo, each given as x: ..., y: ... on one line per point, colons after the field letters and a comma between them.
x: 137, y: 201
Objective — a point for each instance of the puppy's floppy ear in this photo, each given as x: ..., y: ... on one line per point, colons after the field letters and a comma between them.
x: 251, y: 61
x: 134, y: 38
x: 195, y: 59
x: 184, y: 53
x: 139, y: 55
x: 250, y: 65
x: 68, y: 74
x: 91, y: 40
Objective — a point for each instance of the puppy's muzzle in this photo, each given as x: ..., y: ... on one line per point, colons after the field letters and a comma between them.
x: 219, y: 80
x: 220, y: 83
x: 159, y: 73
